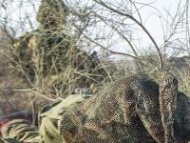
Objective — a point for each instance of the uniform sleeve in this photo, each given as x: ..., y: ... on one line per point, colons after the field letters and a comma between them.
x: 20, y: 130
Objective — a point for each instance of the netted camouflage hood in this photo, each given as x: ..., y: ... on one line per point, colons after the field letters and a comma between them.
x: 52, y: 13
x: 168, y: 90
x: 126, y: 111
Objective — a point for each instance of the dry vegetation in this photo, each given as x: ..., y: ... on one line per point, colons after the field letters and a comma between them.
x: 59, y: 55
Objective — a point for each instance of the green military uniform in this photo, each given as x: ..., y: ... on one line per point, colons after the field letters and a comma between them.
x: 124, y: 112
x: 50, y: 115
x: 110, y: 116
x: 19, y: 130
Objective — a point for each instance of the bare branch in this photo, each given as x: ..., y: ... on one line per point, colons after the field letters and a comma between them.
x: 138, y: 23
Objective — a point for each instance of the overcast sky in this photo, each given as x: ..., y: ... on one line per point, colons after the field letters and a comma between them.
x: 152, y: 19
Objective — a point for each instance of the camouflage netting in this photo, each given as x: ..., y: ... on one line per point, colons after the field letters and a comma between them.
x: 49, y: 55
x: 168, y: 90
x: 125, y: 111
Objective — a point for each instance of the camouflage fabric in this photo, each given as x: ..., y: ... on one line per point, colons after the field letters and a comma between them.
x: 19, y: 130
x: 50, y: 115
x: 125, y: 111
x: 181, y: 124
x: 9, y: 140
x: 168, y: 89
x: 129, y: 106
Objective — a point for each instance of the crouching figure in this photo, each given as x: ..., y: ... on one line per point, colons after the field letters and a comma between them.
x: 126, y: 111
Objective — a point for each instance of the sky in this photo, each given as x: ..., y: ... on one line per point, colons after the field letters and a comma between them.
x: 152, y: 18
x: 155, y: 19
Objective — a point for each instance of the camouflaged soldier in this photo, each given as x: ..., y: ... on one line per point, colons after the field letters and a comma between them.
x: 50, y: 115
x: 52, y: 14
x: 145, y: 102
x: 18, y: 127
x: 126, y: 111
x: 50, y: 57
x: 146, y: 109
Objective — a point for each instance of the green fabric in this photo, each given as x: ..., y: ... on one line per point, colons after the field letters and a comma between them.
x: 19, y: 130
x: 56, y: 109
x: 50, y: 115
x: 49, y: 131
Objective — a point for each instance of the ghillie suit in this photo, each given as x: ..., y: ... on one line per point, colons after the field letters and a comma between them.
x: 126, y: 111
x: 52, y: 60
x: 124, y: 103
x: 52, y: 13
x: 18, y: 127
x: 58, y: 63
x: 51, y: 114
